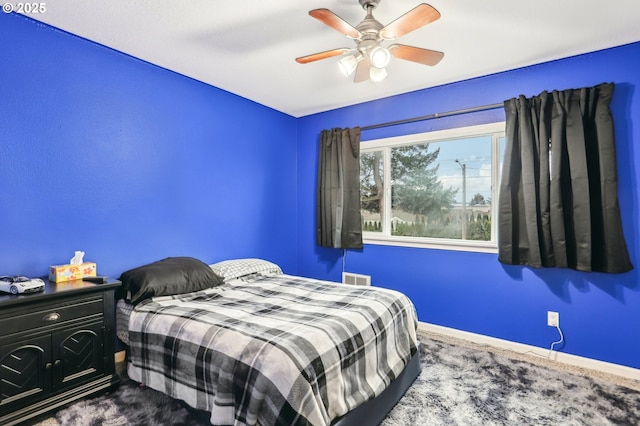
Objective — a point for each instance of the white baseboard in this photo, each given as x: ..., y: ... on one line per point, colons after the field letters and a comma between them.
x: 574, y: 360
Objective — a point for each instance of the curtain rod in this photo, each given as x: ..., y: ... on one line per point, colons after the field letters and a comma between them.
x: 432, y: 116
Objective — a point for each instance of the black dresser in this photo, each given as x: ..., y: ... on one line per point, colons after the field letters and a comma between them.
x: 55, y: 346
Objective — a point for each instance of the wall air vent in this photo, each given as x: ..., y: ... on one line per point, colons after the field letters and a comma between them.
x: 355, y: 279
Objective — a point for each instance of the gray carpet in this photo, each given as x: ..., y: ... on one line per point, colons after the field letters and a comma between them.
x: 460, y: 384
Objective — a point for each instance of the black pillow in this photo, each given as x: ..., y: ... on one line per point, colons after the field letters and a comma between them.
x: 173, y: 275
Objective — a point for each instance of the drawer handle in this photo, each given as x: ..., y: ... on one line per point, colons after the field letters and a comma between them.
x: 53, y: 317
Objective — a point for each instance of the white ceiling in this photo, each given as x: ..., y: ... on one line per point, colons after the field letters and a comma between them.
x: 248, y: 47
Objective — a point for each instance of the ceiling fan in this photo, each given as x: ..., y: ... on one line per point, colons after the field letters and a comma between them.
x: 369, y: 58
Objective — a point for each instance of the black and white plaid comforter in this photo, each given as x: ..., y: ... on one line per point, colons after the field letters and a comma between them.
x: 273, y: 350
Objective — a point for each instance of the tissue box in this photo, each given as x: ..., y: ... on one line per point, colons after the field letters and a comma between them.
x: 60, y: 273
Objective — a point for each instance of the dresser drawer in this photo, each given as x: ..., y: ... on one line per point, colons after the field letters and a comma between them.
x: 43, y: 315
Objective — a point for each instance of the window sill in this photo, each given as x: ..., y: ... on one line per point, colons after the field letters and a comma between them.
x: 444, y: 244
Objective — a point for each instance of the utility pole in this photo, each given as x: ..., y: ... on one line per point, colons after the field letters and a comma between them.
x: 463, y: 166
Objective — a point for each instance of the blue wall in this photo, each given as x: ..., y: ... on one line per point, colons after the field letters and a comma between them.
x: 132, y: 163
x: 599, y: 313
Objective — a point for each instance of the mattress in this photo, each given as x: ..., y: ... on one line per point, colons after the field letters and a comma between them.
x: 123, y: 311
x: 271, y: 349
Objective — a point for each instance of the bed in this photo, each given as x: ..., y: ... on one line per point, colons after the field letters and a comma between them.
x: 253, y: 346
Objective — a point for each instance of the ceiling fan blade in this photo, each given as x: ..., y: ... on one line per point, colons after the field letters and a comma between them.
x: 322, y: 55
x: 362, y: 71
x: 417, y: 17
x: 416, y: 54
x: 334, y: 21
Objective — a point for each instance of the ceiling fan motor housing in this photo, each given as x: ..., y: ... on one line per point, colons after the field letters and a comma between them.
x: 369, y: 28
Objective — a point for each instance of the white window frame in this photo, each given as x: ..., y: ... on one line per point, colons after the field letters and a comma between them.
x: 495, y: 130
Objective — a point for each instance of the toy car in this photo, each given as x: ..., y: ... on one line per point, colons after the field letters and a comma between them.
x: 16, y: 284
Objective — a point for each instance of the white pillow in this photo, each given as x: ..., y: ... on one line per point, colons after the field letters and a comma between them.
x: 236, y: 268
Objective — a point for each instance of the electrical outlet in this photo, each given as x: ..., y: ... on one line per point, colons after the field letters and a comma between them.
x: 553, y: 319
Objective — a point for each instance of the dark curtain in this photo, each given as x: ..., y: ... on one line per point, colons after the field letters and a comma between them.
x: 558, y: 202
x: 338, y: 222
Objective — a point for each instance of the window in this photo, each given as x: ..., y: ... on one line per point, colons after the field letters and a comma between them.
x: 432, y: 189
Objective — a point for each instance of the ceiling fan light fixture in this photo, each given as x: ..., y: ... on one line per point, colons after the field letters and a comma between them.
x: 379, y: 56
x: 349, y: 63
x: 377, y: 74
